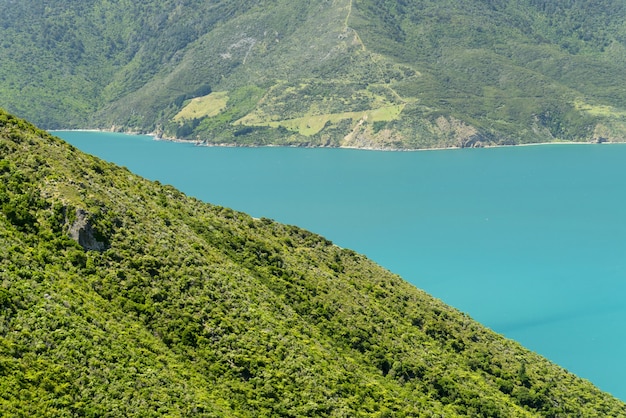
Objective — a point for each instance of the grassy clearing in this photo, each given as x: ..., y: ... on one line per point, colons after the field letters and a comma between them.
x: 599, y: 110
x: 311, y: 124
x: 210, y: 105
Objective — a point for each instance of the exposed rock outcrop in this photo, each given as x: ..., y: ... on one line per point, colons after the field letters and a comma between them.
x: 82, y: 231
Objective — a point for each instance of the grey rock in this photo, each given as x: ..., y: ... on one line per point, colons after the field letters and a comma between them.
x: 81, y: 231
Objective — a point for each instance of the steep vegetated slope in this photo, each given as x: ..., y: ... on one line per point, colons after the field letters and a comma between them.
x: 363, y: 73
x: 123, y: 297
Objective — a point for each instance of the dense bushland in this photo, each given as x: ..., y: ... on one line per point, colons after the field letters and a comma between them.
x: 190, y: 309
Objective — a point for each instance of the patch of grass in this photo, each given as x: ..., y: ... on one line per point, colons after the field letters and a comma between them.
x: 209, y: 105
x: 599, y: 110
x: 313, y: 124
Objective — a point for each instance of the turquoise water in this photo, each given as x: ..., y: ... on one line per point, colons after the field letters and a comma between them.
x: 530, y: 241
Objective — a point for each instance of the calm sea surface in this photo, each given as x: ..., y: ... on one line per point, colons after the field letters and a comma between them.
x: 530, y: 241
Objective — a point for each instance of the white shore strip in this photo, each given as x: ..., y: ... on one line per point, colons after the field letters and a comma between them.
x: 226, y: 145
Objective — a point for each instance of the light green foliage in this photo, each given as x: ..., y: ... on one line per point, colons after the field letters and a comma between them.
x: 210, y: 105
x: 198, y: 310
x: 464, y: 73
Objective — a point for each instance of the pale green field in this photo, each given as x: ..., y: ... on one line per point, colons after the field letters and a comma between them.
x: 210, y: 105
x: 599, y: 110
x: 312, y: 124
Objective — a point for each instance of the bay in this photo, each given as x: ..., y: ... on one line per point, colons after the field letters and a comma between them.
x: 530, y: 241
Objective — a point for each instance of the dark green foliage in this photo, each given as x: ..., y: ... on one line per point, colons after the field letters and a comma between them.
x: 468, y: 73
x: 199, y: 310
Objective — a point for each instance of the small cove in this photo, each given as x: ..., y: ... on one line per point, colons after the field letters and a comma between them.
x: 530, y: 241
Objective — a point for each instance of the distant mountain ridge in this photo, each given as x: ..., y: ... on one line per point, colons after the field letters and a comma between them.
x: 356, y: 73
x: 124, y: 297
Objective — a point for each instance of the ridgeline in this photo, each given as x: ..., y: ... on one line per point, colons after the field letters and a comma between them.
x: 353, y: 73
x: 124, y: 297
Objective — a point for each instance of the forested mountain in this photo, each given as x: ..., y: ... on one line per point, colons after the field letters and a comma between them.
x: 123, y: 297
x: 363, y: 73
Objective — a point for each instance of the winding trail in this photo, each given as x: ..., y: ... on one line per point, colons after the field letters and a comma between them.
x: 346, y: 27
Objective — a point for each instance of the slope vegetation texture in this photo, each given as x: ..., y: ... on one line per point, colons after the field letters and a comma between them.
x: 123, y: 297
x: 391, y: 74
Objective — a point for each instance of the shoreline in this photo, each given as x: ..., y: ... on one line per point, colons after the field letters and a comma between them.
x: 156, y: 137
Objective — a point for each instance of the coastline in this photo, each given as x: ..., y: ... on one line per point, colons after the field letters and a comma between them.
x: 155, y: 136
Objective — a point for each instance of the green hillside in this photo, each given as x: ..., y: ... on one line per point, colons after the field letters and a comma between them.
x: 357, y: 73
x: 123, y: 297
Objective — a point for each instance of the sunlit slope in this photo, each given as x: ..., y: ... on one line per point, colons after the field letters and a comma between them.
x: 364, y: 73
x: 120, y: 296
